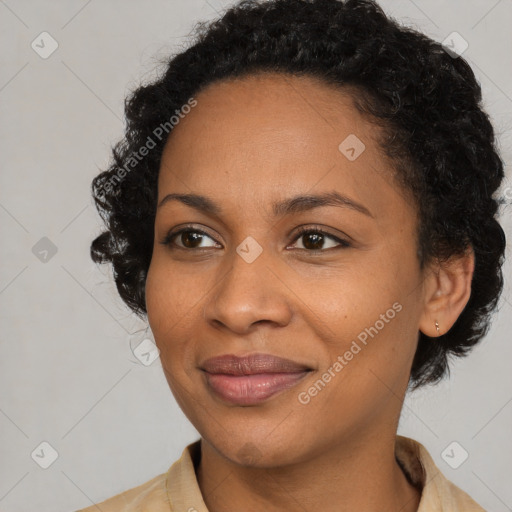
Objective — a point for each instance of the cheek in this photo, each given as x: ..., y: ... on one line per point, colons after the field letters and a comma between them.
x: 369, y: 367
x: 164, y: 308
x: 156, y: 299
x: 174, y: 307
x: 170, y: 294
x: 366, y: 320
x: 348, y: 301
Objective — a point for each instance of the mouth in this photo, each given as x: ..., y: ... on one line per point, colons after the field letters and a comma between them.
x: 252, y: 379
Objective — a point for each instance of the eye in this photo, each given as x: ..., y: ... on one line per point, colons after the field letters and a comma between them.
x: 190, y: 239
x: 315, y: 238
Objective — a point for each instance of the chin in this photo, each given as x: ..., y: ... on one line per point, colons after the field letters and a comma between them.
x: 244, y: 447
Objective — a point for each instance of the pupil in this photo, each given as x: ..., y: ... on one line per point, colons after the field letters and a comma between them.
x: 189, y: 237
x: 315, y: 245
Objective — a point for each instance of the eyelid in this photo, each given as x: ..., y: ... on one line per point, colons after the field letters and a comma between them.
x: 299, y: 231
x: 308, y: 228
x: 171, y: 234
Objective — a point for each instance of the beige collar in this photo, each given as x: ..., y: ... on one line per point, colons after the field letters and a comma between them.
x: 437, y: 493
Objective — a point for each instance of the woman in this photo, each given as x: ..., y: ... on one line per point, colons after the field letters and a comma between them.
x: 302, y: 207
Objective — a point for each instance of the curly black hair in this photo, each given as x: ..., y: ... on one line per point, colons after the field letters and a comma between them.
x: 428, y: 101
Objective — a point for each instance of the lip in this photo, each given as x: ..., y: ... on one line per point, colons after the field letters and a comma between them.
x: 251, y: 364
x: 251, y: 379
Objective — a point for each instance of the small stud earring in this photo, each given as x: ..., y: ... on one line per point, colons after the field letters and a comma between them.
x: 437, y: 328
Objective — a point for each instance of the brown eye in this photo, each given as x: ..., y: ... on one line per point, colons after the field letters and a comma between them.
x: 315, y: 239
x: 190, y: 239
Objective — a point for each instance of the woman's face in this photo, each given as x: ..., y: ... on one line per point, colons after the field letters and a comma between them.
x: 345, y: 305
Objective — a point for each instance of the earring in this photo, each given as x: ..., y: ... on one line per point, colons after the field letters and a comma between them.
x: 437, y: 328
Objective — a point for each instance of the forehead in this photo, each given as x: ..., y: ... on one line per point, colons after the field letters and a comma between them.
x: 264, y: 137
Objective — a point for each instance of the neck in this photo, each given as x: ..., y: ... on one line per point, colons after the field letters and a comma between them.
x: 360, y: 474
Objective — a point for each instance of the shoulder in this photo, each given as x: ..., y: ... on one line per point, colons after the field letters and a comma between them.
x: 150, y: 496
x: 178, y: 483
x: 438, y: 493
x: 454, y: 498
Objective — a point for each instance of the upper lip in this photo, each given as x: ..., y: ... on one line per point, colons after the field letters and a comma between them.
x: 251, y: 364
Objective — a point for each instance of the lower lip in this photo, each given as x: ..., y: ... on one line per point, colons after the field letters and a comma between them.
x: 251, y: 389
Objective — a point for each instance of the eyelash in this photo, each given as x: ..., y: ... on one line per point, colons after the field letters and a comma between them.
x: 343, y: 244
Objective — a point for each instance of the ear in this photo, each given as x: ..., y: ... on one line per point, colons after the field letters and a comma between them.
x: 447, y: 291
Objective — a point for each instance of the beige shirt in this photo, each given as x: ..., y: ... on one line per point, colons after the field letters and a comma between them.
x: 178, y: 490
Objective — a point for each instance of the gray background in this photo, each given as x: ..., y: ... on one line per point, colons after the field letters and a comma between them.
x: 67, y: 372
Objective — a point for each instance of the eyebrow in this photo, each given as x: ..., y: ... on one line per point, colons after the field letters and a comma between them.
x: 296, y: 204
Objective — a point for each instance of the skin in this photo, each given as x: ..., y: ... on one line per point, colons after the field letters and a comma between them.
x: 247, y: 144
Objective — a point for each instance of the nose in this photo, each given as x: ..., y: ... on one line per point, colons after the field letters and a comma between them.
x: 247, y: 294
